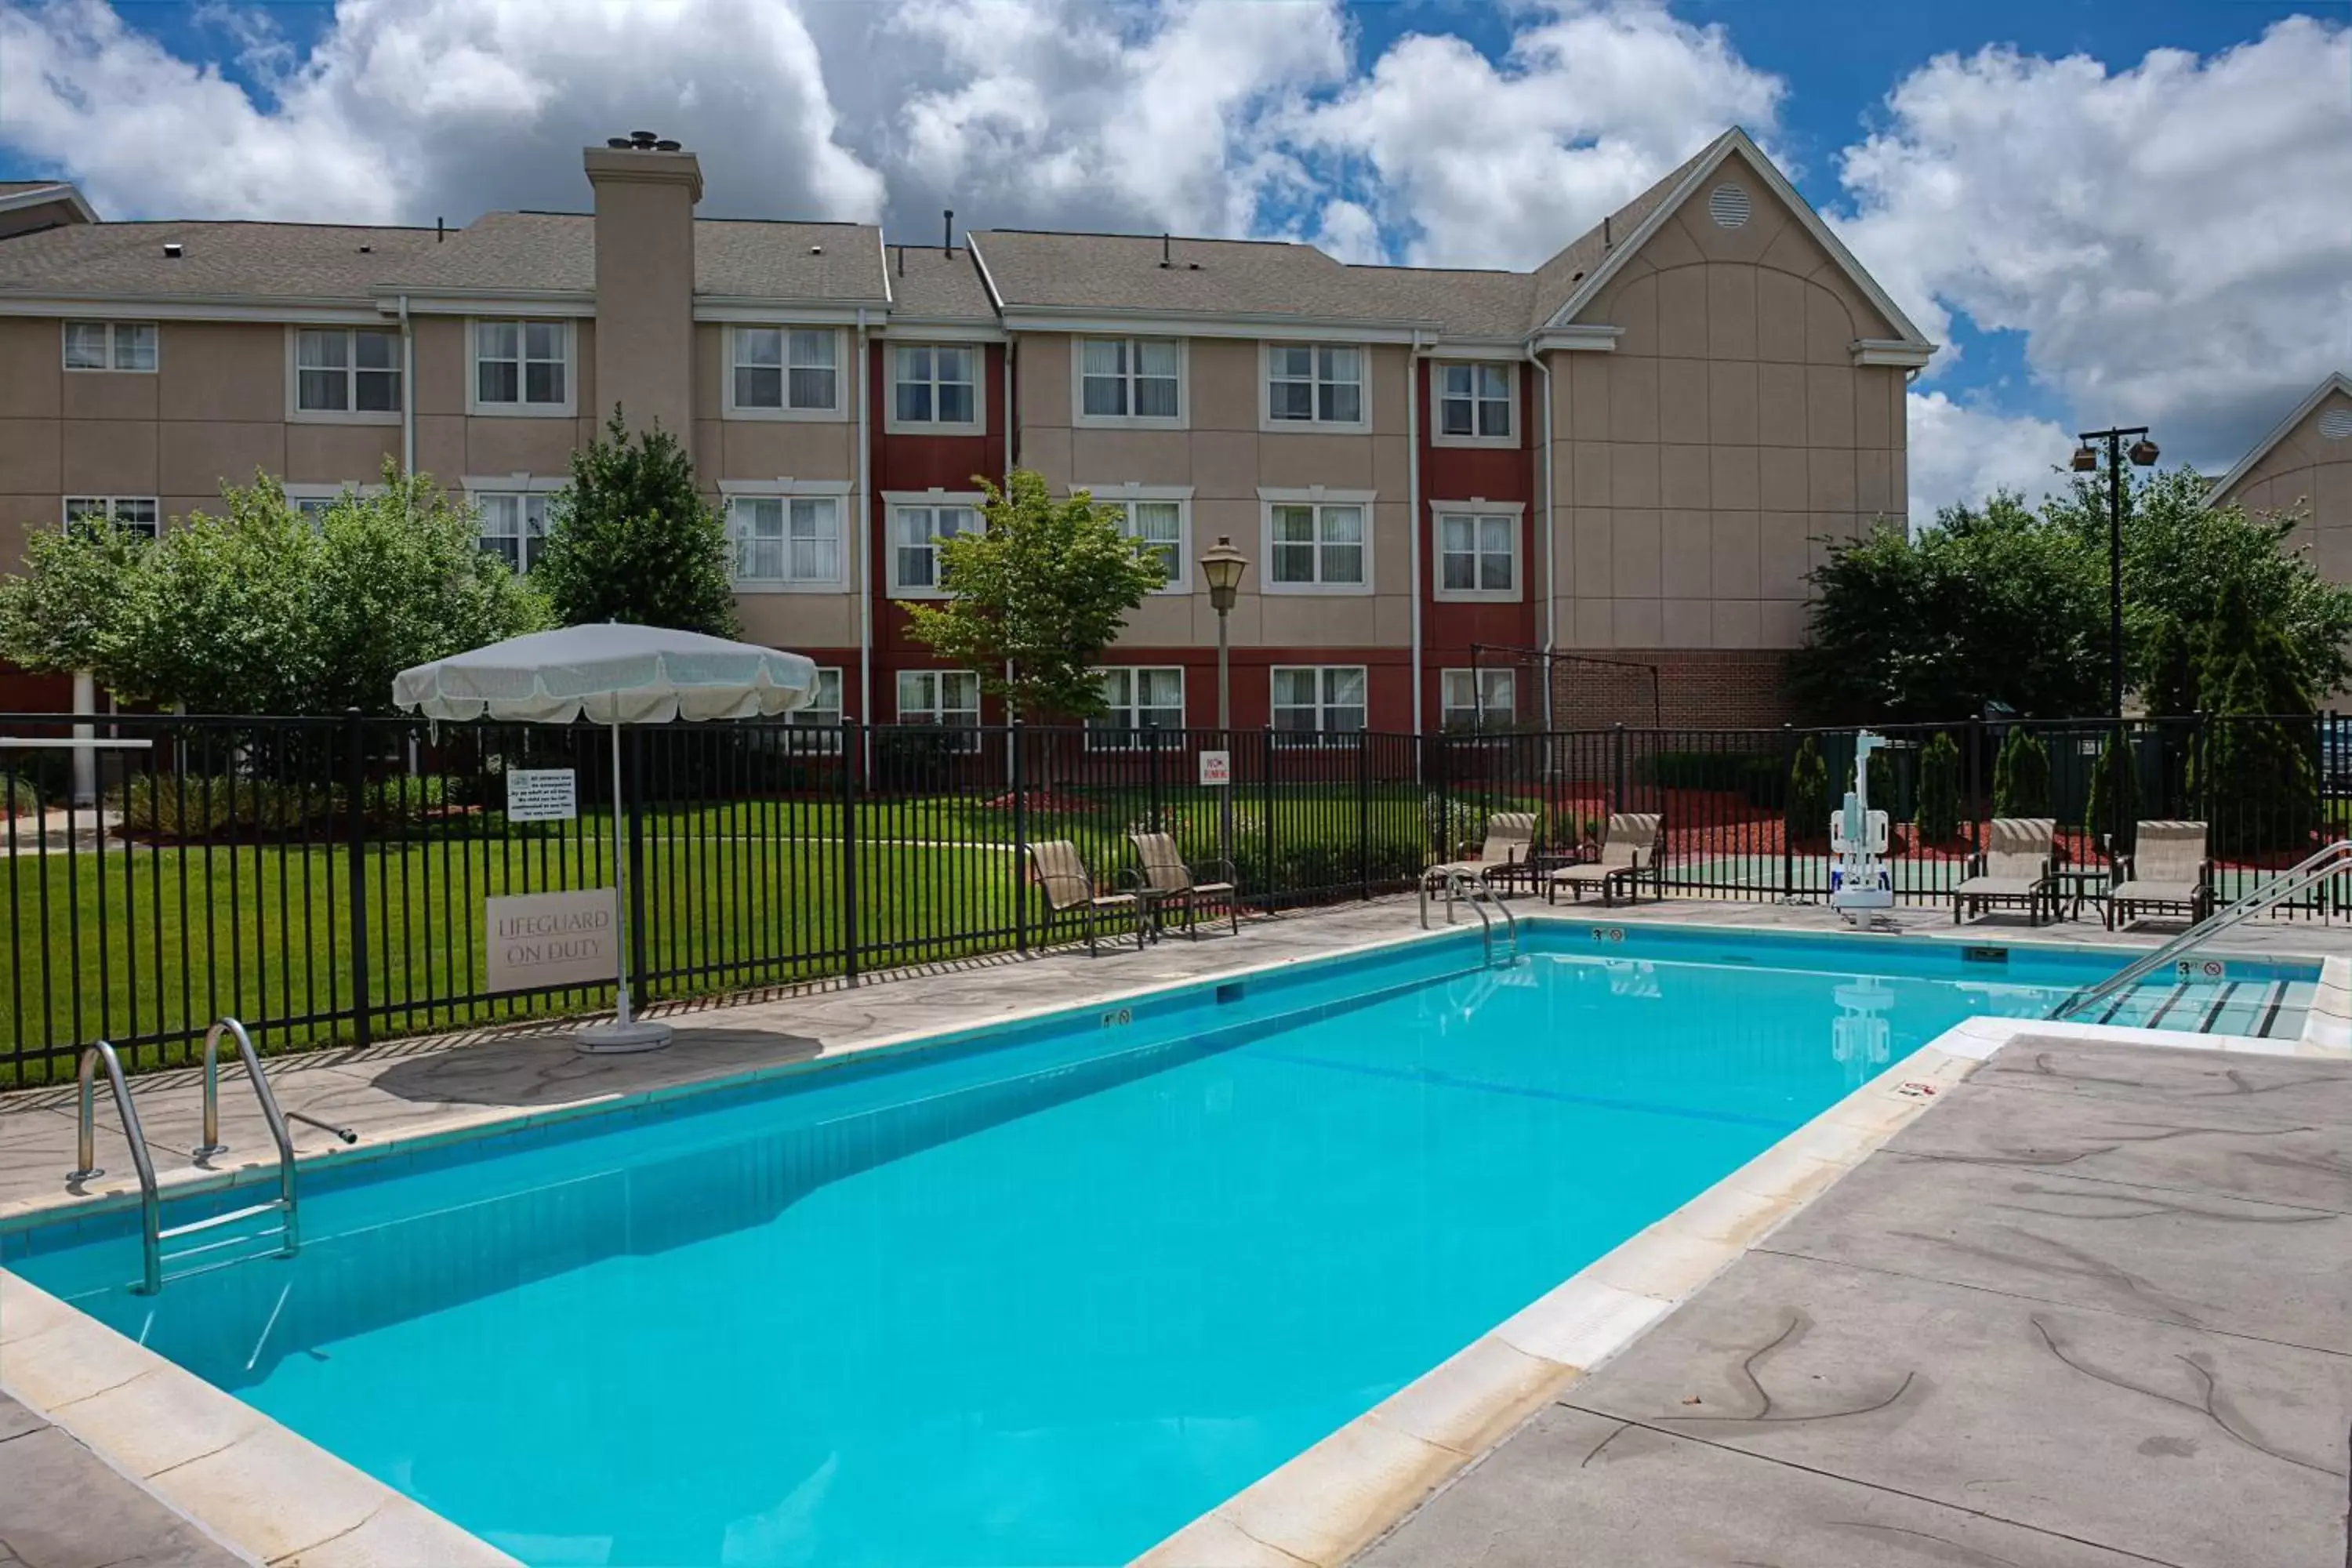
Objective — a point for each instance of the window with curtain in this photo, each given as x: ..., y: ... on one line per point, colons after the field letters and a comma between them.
x: 786, y: 539
x: 1477, y: 552
x: 1318, y: 699
x: 1474, y: 399
x: 1317, y: 545
x: 1130, y: 378
x: 1315, y: 384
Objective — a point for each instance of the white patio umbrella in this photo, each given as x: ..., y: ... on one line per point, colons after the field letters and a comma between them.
x: 611, y: 674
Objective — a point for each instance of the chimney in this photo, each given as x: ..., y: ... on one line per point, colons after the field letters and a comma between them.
x: 646, y: 188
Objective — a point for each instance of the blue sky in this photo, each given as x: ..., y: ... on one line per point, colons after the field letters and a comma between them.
x: 2107, y: 211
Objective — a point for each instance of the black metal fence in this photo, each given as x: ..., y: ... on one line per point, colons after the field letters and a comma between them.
x: 325, y: 878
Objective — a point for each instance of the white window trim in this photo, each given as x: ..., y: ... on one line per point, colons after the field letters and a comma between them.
x: 893, y: 426
x: 891, y: 501
x: 1316, y: 495
x: 1317, y: 736
x: 843, y: 371
x: 298, y: 414
x: 568, y: 409
x: 297, y: 494
x: 978, y: 710
x: 1516, y: 512
x: 829, y: 737
x: 837, y: 490
x: 1266, y: 422
x: 511, y: 484
x: 1119, y: 495
x: 1081, y: 420
x: 1437, y: 437
x: 65, y: 515
x: 1102, y: 737
x: 111, y: 324
x: 1465, y: 670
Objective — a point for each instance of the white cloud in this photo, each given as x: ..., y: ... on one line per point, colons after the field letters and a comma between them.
x: 1486, y: 164
x: 2173, y: 240
x: 1961, y: 453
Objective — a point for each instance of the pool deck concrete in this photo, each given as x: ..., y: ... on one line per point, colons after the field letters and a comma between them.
x: 2094, y: 1308
x: 448, y: 1086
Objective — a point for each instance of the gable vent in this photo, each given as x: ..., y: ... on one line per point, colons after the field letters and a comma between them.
x: 2335, y: 423
x: 1728, y: 206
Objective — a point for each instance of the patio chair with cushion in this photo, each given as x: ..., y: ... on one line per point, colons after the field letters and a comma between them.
x: 2016, y: 866
x: 1168, y: 881
x: 2167, y: 870
x: 1632, y: 849
x: 1062, y: 875
x: 1510, y: 838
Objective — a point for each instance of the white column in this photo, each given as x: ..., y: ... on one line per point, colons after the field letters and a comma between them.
x: 84, y: 758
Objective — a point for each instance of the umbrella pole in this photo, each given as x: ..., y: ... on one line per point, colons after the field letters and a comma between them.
x: 623, y: 1033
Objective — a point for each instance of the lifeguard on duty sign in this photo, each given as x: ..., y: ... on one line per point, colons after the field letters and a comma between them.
x: 542, y: 794
x: 538, y: 940
x: 1216, y: 767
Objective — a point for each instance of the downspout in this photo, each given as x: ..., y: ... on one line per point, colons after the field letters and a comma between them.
x: 1008, y: 409
x: 407, y: 391
x: 1545, y: 536
x: 865, y: 531
x: 1412, y: 502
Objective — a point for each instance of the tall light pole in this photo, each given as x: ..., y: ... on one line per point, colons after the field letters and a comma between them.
x: 2143, y: 454
x: 1221, y: 570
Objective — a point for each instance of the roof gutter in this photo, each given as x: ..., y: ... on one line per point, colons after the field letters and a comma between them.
x: 1547, y: 534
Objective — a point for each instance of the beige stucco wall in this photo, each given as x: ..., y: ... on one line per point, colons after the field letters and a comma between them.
x: 1225, y: 457
x: 2307, y: 473
x: 1694, y: 466
x: 645, y: 282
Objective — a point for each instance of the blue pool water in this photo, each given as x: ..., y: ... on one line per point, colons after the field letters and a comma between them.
x: 1040, y: 1295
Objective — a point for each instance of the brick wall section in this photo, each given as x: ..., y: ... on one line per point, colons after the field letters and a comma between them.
x: 1696, y: 688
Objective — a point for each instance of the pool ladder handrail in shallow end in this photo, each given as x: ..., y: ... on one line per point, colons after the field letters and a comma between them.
x: 2332, y: 859
x: 1475, y: 891
x: 152, y: 1234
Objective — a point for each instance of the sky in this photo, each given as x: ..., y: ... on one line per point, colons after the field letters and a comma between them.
x: 2106, y: 213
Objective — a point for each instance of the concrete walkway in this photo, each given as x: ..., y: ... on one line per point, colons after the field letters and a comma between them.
x: 2094, y: 1308
x: 61, y: 1507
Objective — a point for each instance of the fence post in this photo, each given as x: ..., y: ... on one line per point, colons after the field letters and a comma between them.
x: 1265, y: 806
x: 1364, y: 812
x: 853, y: 750
x: 355, y: 828
x: 1788, y: 810
x: 1151, y: 771
x: 1616, y: 771
x: 1012, y: 738
x: 1976, y: 784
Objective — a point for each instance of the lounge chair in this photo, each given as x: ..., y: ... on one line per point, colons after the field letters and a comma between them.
x: 1632, y: 849
x: 1510, y: 837
x: 2016, y: 865
x: 2166, y: 869
x: 1067, y: 887
x: 1168, y: 880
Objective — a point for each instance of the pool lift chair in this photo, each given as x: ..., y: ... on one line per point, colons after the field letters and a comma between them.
x: 1860, y: 883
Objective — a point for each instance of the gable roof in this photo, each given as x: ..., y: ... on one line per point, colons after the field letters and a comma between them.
x: 1651, y: 209
x: 256, y: 260
x: 1212, y: 280
x: 928, y: 283
x: 733, y: 257
x: 1559, y: 279
x: 2338, y: 382
x: 19, y: 193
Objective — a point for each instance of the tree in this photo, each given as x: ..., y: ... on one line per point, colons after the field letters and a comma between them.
x: 2112, y: 807
x: 1808, y: 792
x: 60, y: 612
x: 1981, y: 607
x: 631, y: 539
x: 1939, y: 790
x: 258, y: 610
x: 2021, y: 776
x: 1039, y: 592
x: 2253, y: 769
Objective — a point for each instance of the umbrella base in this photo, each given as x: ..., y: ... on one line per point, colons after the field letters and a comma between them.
x: 613, y: 1037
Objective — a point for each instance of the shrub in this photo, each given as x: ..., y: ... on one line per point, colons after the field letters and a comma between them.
x: 1755, y: 776
x: 631, y: 538
x: 2114, y: 803
x: 1939, y: 790
x: 1808, y: 792
x: 197, y: 806
x: 2021, y: 776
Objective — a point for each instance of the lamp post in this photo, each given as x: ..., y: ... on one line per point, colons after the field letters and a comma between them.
x: 2142, y: 453
x: 1221, y: 569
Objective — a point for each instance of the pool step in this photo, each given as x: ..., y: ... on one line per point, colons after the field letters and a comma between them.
x: 225, y: 1251
x: 2259, y: 1007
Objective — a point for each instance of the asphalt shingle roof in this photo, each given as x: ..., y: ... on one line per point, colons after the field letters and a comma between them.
x: 1205, y: 277
x: 732, y: 257
x: 937, y: 285
x: 261, y: 260
x: 1557, y: 279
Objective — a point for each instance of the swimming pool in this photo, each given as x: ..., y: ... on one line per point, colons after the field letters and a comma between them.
x: 1043, y: 1293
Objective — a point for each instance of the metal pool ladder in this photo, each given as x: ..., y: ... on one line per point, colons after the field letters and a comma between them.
x: 153, y: 1259
x: 1475, y: 891
x: 2330, y: 860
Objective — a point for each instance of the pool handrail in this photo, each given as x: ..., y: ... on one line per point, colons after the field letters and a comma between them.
x: 2332, y: 859
x: 85, y: 1155
x: 278, y: 1134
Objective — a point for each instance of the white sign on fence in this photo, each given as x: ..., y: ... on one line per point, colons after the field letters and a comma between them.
x: 1216, y: 767
x: 552, y: 939
x: 542, y: 794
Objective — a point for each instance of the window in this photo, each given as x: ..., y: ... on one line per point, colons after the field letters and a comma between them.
x: 939, y: 696
x: 514, y: 525
x: 935, y: 384
x: 1477, y: 698
x: 340, y: 370
x: 1318, y: 699
x: 315, y: 501
x: 1317, y: 546
x: 137, y: 514
x: 111, y: 345
x: 1159, y: 521
x: 823, y: 709
x: 1477, y: 556
x: 1131, y: 379
x: 781, y: 540
x: 1139, y: 698
x: 522, y: 366
x: 785, y: 372
x: 1473, y: 403
x: 914, y: 555
x: 1313, y: 383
